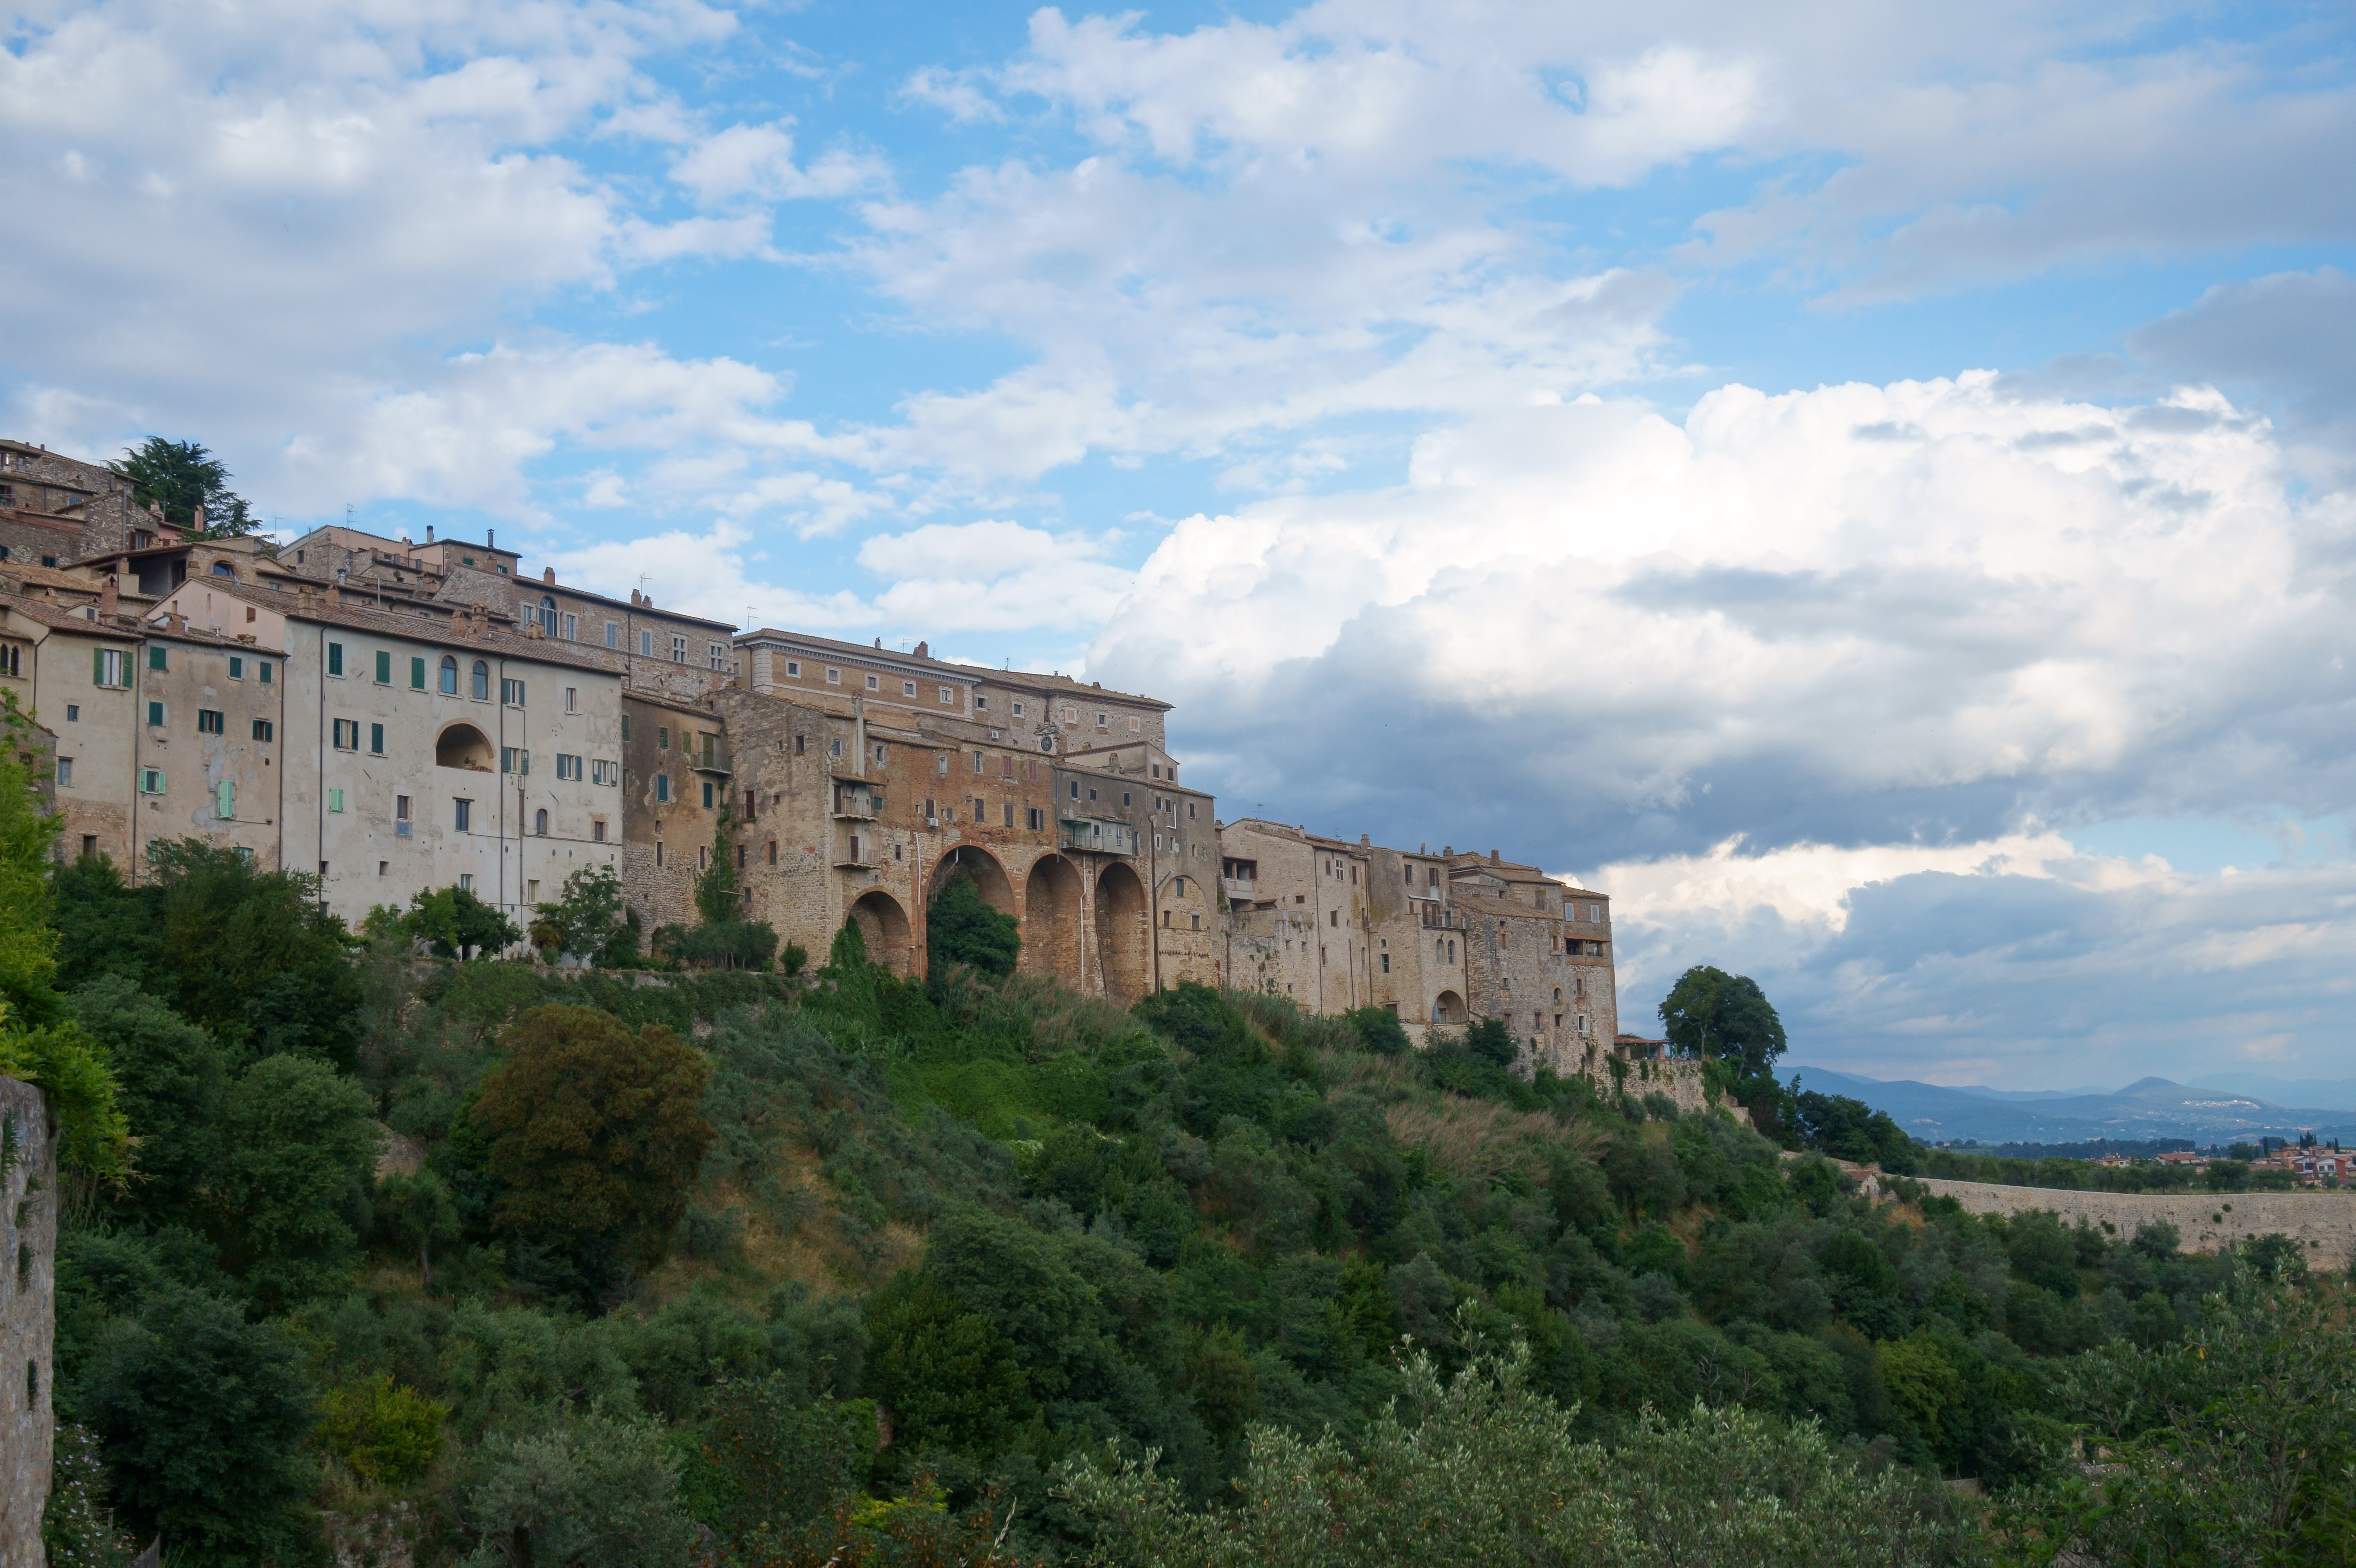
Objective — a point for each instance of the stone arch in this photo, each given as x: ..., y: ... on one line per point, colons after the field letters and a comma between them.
x: 463, y: 746
x: 884, y: 927
x: 1124, y: 942
x: 1051, y: 921
x: 1448, y: 1011
x: 988, y: 875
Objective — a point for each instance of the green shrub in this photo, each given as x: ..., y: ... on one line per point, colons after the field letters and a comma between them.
x: 385, y: 1433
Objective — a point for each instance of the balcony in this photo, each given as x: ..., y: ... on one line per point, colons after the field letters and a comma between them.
x: 1240, y: 890
x: 711, y: 759
x: 1096, y: 836
x: 856, y: 852
x: 1440, y: 917
x: 855, y: 803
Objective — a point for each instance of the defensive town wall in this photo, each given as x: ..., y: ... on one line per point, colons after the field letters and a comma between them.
x: 28, y: 1230
x: 2323, y: 1222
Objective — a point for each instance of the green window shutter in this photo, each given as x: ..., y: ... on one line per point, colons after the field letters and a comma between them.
x: 335, y: 658
x: 226, y: 807
x: 98, y: 666
x: 384, y: 669
x: 416, y: 674
x: 155, y: 657
x: 266, y: 667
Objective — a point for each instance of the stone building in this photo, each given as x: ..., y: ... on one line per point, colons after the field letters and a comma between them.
x: 70, y: 660
x: 413, y: 752
x: 28, y: 1240
x: 56, y: 510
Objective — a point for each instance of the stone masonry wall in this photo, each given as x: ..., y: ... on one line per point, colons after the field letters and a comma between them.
x: 28, y: 1232
x: 2323, y: 1222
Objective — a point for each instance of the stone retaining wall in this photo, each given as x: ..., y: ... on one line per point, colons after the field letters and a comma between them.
x: 28, y: 1241
x: 2323, y: 1222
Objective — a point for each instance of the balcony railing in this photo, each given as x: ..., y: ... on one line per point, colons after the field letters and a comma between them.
x: 1095, y: 835
x: 1440, y: 917
x: 1242, y: 889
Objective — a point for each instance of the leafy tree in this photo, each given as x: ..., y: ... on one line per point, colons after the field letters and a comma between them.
x: 39, y: 1043
x: 206, y: 1419
x: 592, y: 1491
x: 385, y: 1432
x: 1853, y: 1130
x: 104, y: 927
x: 299, y: 1145
x: 418, y: 1210
x: 1489, y: 1040
x: 950, y: 1377
x: 586, y: 918
x: 251, y: 955
x: 173, y: 1080
x: 1379, y: 1030
x: 1711, y: 1013
x: 963, y: 929
x: 183, y: 476
x: 784, y: 1462
x: 596, y: 1131
x: 458, y: 924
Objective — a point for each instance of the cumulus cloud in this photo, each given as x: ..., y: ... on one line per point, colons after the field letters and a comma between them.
x: 757, y: 161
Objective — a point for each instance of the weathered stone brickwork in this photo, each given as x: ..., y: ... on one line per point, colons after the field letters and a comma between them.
x: 2323, y: 1222
x: 28, y: 1232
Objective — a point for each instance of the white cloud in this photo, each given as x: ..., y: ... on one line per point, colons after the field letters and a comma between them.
x: 757, y: 161
x: 993, y: 576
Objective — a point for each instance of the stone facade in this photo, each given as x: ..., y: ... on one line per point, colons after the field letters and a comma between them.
x: 28, y: 1240
x: 73, y: 668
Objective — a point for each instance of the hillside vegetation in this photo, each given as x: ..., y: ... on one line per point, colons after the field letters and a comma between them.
x: 511, y: 1268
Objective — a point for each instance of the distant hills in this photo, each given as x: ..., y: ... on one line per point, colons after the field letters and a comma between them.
x: 2219, y: 1110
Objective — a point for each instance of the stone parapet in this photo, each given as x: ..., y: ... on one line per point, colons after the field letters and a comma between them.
x: 2324, y: 1223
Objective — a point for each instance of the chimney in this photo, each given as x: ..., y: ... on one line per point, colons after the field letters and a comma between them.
x: 1493, y: 856
x: 924, y: 650
x: 1449, y: 850
x: 429, y: 533
x: 878, y: 642
x: 548, y: 575
x: 198, y: 521
x: 1363, y: 840
x: 490, y: 539
x: 107, y: 600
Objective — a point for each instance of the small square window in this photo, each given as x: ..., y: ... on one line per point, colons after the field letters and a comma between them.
x: 73, y: 712
x: 833, y: 676
x: 157, y: 657
x: 907, y: 688
x: 264, y: 730
x: 1018, y: 710
x: 235, y: 668
x: 155, y: 715
x: 793, y: 670
x: 873, y: 684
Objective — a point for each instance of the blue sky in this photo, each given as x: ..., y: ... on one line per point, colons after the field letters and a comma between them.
x: 1870, y: 489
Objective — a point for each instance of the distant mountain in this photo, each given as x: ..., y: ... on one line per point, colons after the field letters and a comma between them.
x: 2148, y: 1108
x: 2283, y: 1091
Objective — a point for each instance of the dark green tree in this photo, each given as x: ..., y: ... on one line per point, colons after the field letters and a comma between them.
x: 251, y: 955
x: 299, y: 1147
x: 182, y: 475
x: 1727, y: 1019
x: 172, y: 1079
x: 715, y: 890
x: 586, y: 917
x: 596, y: 1131
x: 418, y: 1210
x: 963, y: 929
x: 206, y: 1422
x: 456, y: 924
x: 104, y: 927
x: 1379, y: 1030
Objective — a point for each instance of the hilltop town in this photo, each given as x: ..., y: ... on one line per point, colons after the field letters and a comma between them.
x: 396, y: 715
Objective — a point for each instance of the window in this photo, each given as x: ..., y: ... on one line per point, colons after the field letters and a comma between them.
x: 335, y: 800
x: 678, y: 649
x: 625, y: 726
x: 151, y: 781
x: 948, y: 695
x: 793, y: 669
x: 572, y: 628
x: 740, y: 856
x: 539, y: 823
x: 572, y: 699
x: 943, y: 766
x: 109, y: 667
x: 515, y: 760
x: 604, y: 772
x: 1009, y: 814
x: 1135, y: 725
x: 376, y: 740
x: 597, y: 830
x: 833, y: 676
x: 335, y: 658
x: 1075, y: 791
x: 662, y: 786
x: 384, y: 668
x: 479, y: 681
x: 213, y: 721
x: 646, y: 644
x: 613, y: 634
x: 717, y: 653
x: 347, y: 732
x: 157, y: 658
x: 1018, y: 710
x: 873, y: 684
x: 834, y: 748
x: 73, y: 710
x: 225, y: 801
x: 907, y: 688
x: 662, y: 738
x: 466, y: 880
x: 1180, y: 884
x: 264, y: 667
x: 401, y: 808
x: 156, y: 714
x: 881, y: 755
x: 1103, y: 721
x: 511, y: 693
x: 463, y: 819
x: 773, y: 851
x: 264, y: 730
x: 707, y: 794
x: 65, y: 770
x: 1071, y: 715
x: 449, y: 675
x: 235, y: 668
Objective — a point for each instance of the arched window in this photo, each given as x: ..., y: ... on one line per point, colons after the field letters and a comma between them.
x: 548, y: 615
x: 449, y: 675
x: 539, y: 826
x: 223, y: 569
x: 482, y: 681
